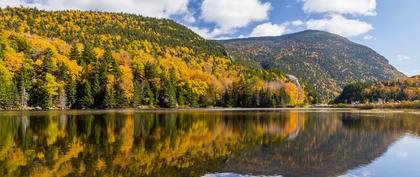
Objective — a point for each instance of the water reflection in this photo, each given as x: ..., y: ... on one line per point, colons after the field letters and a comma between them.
x: 195, y: 143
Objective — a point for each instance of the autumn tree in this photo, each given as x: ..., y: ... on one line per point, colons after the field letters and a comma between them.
x: 167, y: 96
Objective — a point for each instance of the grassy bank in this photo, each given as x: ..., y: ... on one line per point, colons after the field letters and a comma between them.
x: 402, y: 105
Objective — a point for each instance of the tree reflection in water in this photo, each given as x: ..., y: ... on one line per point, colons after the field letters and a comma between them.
x: 193, y: 143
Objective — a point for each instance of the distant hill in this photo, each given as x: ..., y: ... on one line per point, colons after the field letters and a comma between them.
x: 77, y: 59
x: 325, y: 61
x: 403, y: 89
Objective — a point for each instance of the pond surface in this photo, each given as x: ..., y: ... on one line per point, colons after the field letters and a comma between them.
x: 210, y: 143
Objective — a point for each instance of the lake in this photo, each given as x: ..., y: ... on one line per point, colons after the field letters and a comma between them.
x: 211, y: 143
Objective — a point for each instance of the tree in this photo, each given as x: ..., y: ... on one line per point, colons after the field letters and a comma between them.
x: 6, y: 95
x: 137, y: 94
x: 110, y: 93
x: 150, y: 71
x: 167, y: 96
x: 2, y: 47
x: 192, y: 98
x: 96, y: 90
x: 71, y: 93
x: 75, y: 54
x: 85, y: 97
x: 148, y: 97
x: 50, y: 90
x: 47, y: 62
x: 87, y: 55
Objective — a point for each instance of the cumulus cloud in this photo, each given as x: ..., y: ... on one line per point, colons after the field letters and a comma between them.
x: 340, y: 25
x: 354, y: 7
x: 211, y: 34
x: 229, y: 14
x: 297, y: 23
x: 369, y: 37
x: 269, y: 29
x: 153, y: 8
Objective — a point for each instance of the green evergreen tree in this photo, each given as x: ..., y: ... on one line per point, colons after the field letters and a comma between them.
x: 6, y: 89
x: 47, y: 62
x: 86, y: 99
x: 96, y: 89
x: 75, y: 54
x: 88, y: 55
x: 110, y: 98
x: 172, y: 76
x: 2, y: 47
x: 150, y: 71
x: 181, y: 97
x: 71, y: 93
x: 148, y: 95
x: 167, y: 96
x: 137, y: 93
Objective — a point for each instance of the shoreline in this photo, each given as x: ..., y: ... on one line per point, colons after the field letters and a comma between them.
x: 129, y: 110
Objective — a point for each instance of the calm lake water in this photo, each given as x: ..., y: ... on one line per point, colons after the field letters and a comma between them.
x: 226, y: 143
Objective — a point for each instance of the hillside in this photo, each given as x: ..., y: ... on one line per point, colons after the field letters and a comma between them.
x: 75, y: 59
x: 403, y: 89
x: 325, y: 61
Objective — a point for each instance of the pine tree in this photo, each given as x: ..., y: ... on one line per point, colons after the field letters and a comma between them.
x: 112, y: 65
x: 167, y: 96
x: 71, y: 93
x: 192, y: 98
x: 96, y: 89
x: 148, y: 95
x: 88, y: 55
x: 105, y: 67
x: 2, y: 47
x: 110, y: 98
x: 23, y: 82
x: 75, y: 54
x: 6, y: 99
x: 150, y: 71
x: 172, y: 76
x: 137, y: 93
x: 86, y: 98
x: 181, y: 97
x: 47, y: 62
x: 137, y: 87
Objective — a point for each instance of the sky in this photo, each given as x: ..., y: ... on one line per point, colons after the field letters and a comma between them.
x: 389, y: 27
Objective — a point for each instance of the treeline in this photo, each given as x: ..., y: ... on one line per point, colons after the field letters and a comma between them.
x: 404, y: 89
x: 48, y: 73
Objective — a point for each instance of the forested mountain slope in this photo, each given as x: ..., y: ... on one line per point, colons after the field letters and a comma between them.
x: 74, y: 59
x: 403, y: 89
x: 325, y: 61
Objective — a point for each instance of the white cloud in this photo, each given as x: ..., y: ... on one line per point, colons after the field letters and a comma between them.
x: 340, y: 25
x: 268, y: 29
x: 369, y: 37
x: 230, y: 14
x: 354, y: 7
x: 153, y: 8
x: 297, y: 23
x: 401, y: 57
x: 211, y: 34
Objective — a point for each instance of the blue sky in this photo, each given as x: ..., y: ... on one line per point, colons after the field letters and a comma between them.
x: 388, y: 26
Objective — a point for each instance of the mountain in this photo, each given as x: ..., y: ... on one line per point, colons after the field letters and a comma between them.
x: 403, y: 89
x: 76, y: 59
x: 325, y: 61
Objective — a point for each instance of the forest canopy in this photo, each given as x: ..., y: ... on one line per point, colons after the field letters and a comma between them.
x: 74, y: 59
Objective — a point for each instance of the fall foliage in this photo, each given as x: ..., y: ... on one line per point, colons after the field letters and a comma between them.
x: 63, y: 59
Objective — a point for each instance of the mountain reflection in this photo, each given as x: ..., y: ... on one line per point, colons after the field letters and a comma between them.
x: 193, y: 143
